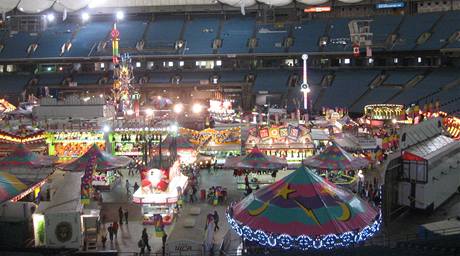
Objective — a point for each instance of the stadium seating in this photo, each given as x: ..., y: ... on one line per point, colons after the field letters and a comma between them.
x: 428, y: 87
x: 346, y: 87
x: 382, y: 27
x: 236, y: 33
x: 131, y: 32
x: 87, y: 37
x: 162, y: 34
x: 11, y: 86
x: 444, y: 29
x: 377, y: 95
x: 86, y: 78
x: 50, y: 42
x: 400, y: 77
x: 50, y: 79
x: 339, y: 35
x: 270, y: 38
x: 412, y: 27
x: 200, y: 34
x: 306, y: 36
x: 272, y: 82
x: 16, y: 45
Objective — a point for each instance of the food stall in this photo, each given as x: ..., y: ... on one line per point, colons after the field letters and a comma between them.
x: 159, y: 193
x: 130, y: 141
x: 69, y: 145
x: 291, y: 142
x: 103, y: 166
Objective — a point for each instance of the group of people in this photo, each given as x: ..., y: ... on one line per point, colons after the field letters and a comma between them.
x: 113, y: 227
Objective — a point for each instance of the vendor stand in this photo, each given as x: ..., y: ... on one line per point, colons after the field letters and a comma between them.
x: 288, y: 141
x: 105, y: 175
x: 68, y: 145
x: 131, y: 141
x: 159, y: 193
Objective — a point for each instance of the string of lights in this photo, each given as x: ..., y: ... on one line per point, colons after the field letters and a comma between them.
x: 305, y: 242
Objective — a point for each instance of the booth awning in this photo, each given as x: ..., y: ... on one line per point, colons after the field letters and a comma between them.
x: 433, y: 148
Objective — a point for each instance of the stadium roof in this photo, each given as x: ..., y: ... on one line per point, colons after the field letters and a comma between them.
x: 38, y: 6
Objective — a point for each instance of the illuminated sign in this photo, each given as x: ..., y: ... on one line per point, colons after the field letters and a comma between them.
x: 318, y: 9
x: 390, y: 5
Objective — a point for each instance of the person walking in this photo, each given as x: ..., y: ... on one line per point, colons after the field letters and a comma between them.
x: 120, y: 215
x: 115, y: 229
x: 163, y: 241
x: 145, y: 240
x: 127, y: 187
x: 216, y: 221
x: 103, y: 240
x: 126, y: 215
x: 110, y: 230
x: 194, y: 190
x: 135, y: 187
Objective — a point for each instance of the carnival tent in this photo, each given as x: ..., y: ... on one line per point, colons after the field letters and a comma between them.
x: 104, y: 161
x: 255, y: 160
x: 27, y: 165
x: 336, y: 158
x: 180, y: 142
x: 303, y: 211
x: 10, y: 186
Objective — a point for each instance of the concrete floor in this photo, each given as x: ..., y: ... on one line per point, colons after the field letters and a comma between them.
x: 126, y: 242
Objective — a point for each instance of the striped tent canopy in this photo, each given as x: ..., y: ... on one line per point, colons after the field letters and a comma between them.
x: 104, y: 160
x: 181, y: 142
x: 27, y: 165
x: 255, y: 160
x: 10, y: 186
x: 303, y: 211
x: 335, y: 158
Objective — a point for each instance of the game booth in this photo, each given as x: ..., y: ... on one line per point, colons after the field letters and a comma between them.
x: 338, y: 166
x: 105, y: 175
x: 68, y: 145
x: 159, y: 193
x: 11, y: 137
x: 291, y: 142
x: 377, y: 115
x: 303, y: 212
x: 130, y: 141
x: 259, y: 168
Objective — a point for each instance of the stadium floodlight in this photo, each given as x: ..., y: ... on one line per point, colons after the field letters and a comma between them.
x: 178, y: 108
x: 50, y: 17
x: 120, y: 15
x: 85, y: 16
x: 197, y: 108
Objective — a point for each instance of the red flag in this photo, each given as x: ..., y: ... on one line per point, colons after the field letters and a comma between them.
x: 356, y: 50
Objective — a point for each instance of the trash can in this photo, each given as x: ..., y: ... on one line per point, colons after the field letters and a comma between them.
x: 203, y: 194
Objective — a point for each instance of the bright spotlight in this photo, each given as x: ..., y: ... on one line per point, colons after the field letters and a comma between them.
x: 173, y: 128
x: 149, y: 112
x: 50, y: 17
x: 178, y: 108
x: 130, y: 112
x: 197, y: 108
x: 85, y: 16
x: 106, y: 128
x: 120, y: 15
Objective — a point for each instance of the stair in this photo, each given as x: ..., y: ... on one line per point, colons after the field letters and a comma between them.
x: 410, y: 84
x: 378, y: 81
x: 393, y: 37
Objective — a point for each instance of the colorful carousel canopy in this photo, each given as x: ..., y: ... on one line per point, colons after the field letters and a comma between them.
x: 302, y: 211
x: 335, y: 158
x: 10, y: 186
x: 27, y: 165
x: 104, y: 161
x: 255, y: 160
